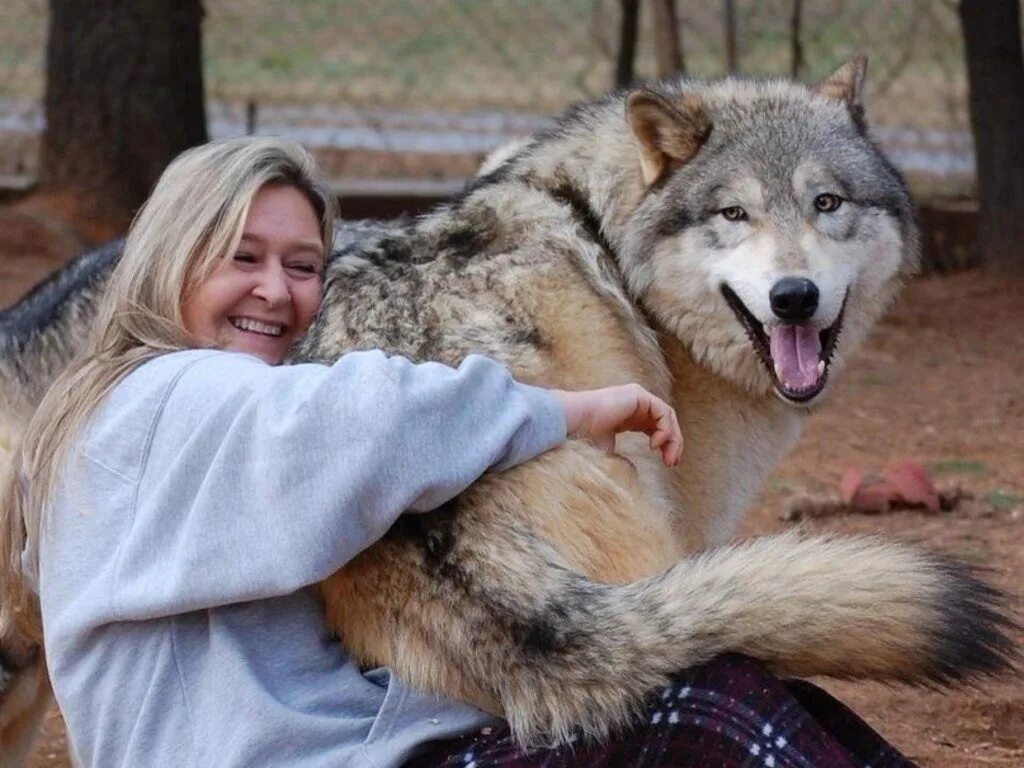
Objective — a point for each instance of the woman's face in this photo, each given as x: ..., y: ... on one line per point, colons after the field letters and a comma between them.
x: 263, y: 296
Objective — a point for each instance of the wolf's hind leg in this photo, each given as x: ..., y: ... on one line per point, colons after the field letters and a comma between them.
x: 587, y: 507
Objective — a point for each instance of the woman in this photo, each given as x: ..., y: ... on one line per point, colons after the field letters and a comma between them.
x: 177, y: 500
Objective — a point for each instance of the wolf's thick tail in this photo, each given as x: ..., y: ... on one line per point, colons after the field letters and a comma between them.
x: 564, y: 655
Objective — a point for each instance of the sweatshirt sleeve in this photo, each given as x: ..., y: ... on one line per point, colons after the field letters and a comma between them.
x: 256, y: 481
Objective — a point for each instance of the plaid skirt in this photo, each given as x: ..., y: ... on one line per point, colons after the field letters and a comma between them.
x: 728, y: 713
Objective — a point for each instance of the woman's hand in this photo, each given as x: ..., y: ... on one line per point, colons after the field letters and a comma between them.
x: 599, y: 414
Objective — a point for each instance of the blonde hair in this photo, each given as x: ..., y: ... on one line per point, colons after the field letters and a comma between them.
x: 192, y: 221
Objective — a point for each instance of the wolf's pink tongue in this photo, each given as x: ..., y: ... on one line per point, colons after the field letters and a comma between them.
x: 795, y: 350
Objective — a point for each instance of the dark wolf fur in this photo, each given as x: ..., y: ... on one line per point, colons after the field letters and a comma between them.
x: 41, y: 333
x: 561, y: 592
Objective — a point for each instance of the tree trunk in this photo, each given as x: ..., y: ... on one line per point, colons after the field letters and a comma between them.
x: 124, y: 95
x: 667, y: 44
x: 732, y: 53
x: 995, y: 74
x: 627, y: 42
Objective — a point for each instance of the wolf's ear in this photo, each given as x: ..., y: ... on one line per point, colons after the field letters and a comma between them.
x: 670, y: 132
x: 847, y: 84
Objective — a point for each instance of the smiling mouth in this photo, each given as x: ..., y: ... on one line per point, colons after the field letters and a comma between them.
x: 797, y: 357
x: 255, y: 326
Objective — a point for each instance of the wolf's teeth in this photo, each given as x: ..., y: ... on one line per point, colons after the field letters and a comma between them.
x: 821, y: 367
x: 778, y: 371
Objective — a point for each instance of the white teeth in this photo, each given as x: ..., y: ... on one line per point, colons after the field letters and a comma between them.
x: 778, y: 371
x: 245, y: 324
x: 821, y: 367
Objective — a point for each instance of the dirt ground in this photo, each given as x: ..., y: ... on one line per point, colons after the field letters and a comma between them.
x: 939, y: 381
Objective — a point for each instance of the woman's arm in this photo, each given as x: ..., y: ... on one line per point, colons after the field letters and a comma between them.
x: 258, y: 481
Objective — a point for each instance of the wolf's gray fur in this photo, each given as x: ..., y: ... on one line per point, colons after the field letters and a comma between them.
x: 605, y: 250
x: 41, y: 333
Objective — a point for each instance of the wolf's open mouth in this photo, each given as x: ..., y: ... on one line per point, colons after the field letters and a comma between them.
x: 797, y: 357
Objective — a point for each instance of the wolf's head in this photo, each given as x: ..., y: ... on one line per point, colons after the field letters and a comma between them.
x: 772, y: 233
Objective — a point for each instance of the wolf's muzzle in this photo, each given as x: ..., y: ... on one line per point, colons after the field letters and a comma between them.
x: 796, y: 355
x: 794, y: 299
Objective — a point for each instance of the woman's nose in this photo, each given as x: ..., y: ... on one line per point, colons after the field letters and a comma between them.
x: 273, y: 286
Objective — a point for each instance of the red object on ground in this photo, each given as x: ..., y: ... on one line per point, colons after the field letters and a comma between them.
x: 913, y: 485
x: 905, y: 484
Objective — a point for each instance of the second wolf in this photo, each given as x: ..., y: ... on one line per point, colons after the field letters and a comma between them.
x: 727, y: 245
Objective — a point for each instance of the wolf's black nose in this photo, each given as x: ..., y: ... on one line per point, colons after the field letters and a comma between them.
x: 794, y: 299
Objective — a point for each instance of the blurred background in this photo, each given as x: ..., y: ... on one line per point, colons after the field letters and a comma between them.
x: 401, y: 98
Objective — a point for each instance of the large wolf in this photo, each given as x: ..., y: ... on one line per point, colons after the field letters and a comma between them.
x: 727, y: 245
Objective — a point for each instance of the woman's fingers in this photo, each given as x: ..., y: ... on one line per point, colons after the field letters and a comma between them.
x: 658, y: 419
x: 667, y: 436
x: 601, y: 413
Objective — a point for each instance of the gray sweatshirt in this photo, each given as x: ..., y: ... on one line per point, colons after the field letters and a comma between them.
x: 207, y: 494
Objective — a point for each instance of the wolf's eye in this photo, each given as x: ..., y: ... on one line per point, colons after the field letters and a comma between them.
x: 734, y: 213
x: 826, y: 203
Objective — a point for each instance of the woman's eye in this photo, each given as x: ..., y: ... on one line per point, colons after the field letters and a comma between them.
x: 734, y: 213
x: 246, y: 258
x: 827, y: 202
x: 308, y: 269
